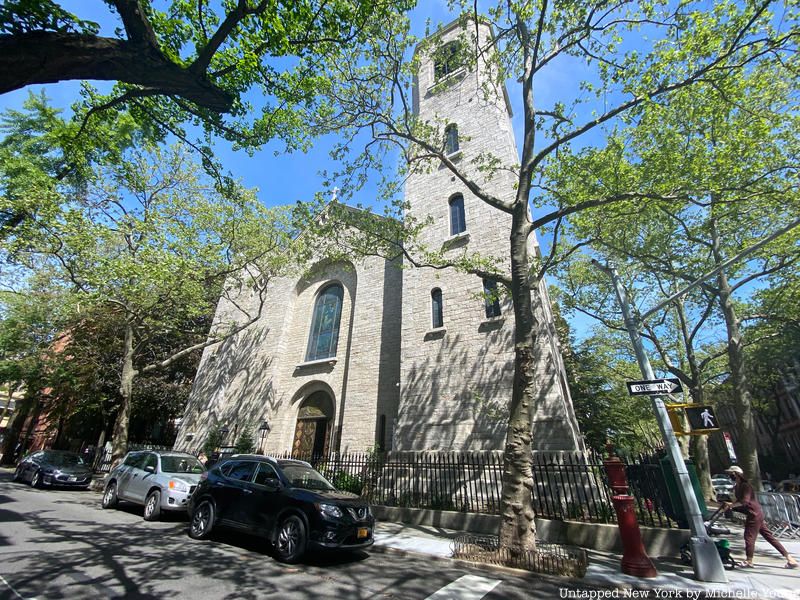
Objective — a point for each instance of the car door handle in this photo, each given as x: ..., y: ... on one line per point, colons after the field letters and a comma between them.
x: 246, y: 491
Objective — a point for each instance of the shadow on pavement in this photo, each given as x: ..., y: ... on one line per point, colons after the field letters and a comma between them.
x: 69, y: 556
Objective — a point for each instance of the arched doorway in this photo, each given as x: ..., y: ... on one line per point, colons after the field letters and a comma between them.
x: 313, y: 429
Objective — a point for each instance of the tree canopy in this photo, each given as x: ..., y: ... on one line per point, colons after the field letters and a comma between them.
x: 719, y: 163
x: 247, y: 70
x: 143, y: 238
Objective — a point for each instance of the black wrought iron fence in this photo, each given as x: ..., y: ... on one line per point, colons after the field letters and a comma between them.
x: 649, y: 488
x: 571, y: 486
x: 567, y: 485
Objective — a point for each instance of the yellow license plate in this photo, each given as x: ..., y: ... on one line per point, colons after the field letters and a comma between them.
x: 363, y: 532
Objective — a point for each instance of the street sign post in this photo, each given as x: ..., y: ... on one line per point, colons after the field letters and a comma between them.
x: 654, y: 387
x: 706, y: 562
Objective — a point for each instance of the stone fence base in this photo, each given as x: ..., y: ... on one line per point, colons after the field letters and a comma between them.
x: 595, y: 536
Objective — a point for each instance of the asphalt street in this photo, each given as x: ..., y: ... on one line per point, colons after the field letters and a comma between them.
x: 62, y: 544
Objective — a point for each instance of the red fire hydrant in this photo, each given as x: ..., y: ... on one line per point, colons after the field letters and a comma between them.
x: 634, y: 557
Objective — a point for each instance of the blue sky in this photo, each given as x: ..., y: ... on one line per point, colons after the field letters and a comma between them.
x: 287, y: 178
x: 280, y: 178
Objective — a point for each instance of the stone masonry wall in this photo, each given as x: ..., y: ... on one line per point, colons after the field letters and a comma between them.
x: 262, y: 373
x: 457, y: 380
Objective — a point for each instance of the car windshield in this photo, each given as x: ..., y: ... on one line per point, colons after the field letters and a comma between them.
x: 305, y: 477
x: 63, y: 459
x: 181, y: 464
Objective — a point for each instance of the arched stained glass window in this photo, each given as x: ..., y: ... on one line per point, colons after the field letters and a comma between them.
x: 436, y: 308
x: 325, y: 325
x: 451, y: 139
x: 458, y: 222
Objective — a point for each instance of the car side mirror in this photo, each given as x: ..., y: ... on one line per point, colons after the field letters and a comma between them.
x: 150, y: 469
x: 273, y: 485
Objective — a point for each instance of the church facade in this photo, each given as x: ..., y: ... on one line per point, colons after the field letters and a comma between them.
x: 377, y: 354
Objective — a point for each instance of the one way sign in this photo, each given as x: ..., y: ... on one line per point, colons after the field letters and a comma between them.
x: 654, y: 387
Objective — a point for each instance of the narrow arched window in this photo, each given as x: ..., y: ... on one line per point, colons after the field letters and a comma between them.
x: 458, y: 222
x: 491, y: 299
x: 451, y: 139
x: 325, y: 324
x: 381, y: 445
x: 436, y: 308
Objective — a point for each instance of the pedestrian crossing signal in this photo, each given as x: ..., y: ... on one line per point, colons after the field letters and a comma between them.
x: 702, y: 418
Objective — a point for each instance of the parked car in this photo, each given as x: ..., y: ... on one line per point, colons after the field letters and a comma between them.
x: 789, y: 486
x: 723, y: 486
x: 54, y: 468
x: 158, y: 480
x: 286, y: 501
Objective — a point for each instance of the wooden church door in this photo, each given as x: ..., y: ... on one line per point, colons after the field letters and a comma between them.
x: 312, y: 433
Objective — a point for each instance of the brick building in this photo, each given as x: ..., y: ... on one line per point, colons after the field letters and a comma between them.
x: 357, y: 356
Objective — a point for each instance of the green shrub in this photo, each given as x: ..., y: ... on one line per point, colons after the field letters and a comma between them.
x: 348, y: 483
x: 213, y: 440
x: 245, y: 444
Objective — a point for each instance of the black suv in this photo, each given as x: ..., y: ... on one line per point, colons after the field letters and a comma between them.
x: 286, y: 501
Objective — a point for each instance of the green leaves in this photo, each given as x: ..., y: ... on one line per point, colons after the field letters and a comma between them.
x: 149, y: 236
x: 22, y: 16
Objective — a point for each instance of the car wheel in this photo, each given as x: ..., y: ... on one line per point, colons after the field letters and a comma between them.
x: 291, y: 542
x: 110, y: 499
x: 202, y: 520
x: 152, y: 506
x: 36, y: 480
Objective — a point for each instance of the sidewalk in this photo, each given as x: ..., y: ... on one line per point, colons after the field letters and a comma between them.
x: 767, y: 580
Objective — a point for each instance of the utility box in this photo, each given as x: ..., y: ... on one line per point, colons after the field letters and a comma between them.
x: 677, y: 512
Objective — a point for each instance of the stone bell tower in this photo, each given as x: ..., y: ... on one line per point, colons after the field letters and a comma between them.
x: 457, y: 350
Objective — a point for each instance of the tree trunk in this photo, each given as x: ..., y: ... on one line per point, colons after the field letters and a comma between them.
x: 120, y: 437
x: 747, y: 452
x: 48, y: 57
x: 12, y: 436
x: 698, y: 450
x: 100, y: 448
x: 698, y: 444
x: 11, y: 390
x: 517, y: 527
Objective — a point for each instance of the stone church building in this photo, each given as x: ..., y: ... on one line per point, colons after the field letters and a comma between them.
x: 373, y: 355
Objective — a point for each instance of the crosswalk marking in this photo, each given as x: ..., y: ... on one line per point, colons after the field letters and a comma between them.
x: 468, y: 587
x: 15, y: 592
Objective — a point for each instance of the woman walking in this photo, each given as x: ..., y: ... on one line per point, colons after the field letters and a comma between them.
x: 754, y: 524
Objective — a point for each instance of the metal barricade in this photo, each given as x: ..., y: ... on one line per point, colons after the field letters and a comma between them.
x: 781, y: 513
x: 774, y: 512
x: 792, y: 504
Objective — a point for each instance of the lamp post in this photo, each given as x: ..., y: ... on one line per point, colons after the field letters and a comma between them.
x: 263, y: 430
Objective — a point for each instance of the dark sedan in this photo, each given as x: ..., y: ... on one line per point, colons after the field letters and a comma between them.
x: 54, y: 468
x: 286, y: 501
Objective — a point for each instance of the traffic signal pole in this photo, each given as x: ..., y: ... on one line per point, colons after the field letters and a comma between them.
x: 705, y: 558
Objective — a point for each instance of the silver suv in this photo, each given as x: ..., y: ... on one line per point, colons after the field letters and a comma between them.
x: 159, y: 480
